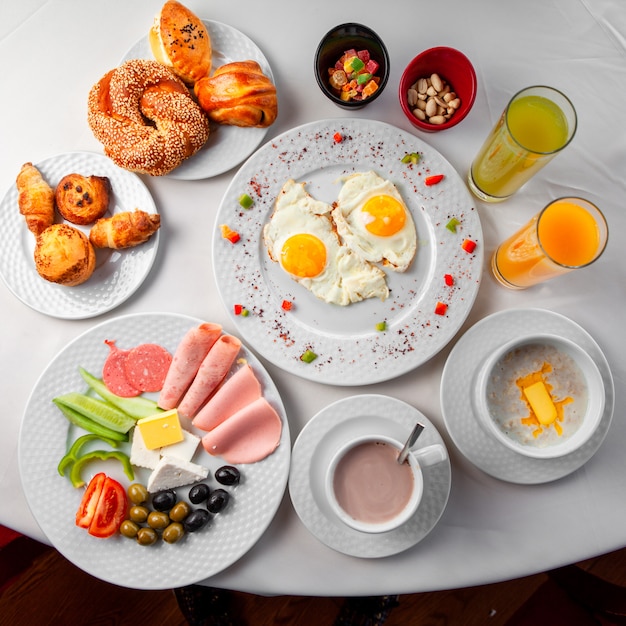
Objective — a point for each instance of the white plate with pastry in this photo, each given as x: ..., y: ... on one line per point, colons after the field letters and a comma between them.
x: 350, y: 345
x: 118, y: 273
x: 227, y: 146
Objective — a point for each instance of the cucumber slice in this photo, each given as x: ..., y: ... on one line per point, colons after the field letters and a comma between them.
x: 136, y: 407
x: 78, y: 419
x: 98, y: 411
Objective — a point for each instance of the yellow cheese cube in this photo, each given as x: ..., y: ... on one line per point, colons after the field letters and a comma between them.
x: 541, y: 403
x: 162, y: 429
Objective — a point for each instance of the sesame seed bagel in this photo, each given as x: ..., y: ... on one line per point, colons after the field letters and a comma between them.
x: 145, y: 118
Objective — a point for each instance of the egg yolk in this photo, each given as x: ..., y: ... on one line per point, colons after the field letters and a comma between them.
x: 383, y: 216
x: 303, y: 255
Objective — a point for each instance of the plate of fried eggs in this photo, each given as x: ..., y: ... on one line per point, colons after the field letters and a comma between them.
x: 357, y: 256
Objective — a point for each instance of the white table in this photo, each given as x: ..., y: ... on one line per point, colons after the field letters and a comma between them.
x: 52, y: 52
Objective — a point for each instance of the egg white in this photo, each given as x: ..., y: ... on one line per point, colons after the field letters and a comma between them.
x: 397, y: 251
x: 346, y: 278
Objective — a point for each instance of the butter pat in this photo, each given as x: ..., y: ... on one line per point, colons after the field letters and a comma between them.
x: 162, y: 429
x: 541, y: 403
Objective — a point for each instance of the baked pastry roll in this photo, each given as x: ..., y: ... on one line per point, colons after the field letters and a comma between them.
x: 239, y: 94
x: 124, y: 230
x: 83, y: 199
x: 35, y: 199
x: 180, y: 40
x: 64, y: 255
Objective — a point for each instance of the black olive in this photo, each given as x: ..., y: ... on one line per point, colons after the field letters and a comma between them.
x: 164, y: 500
x: 199, y: 493
x: 217, y: 500
x: 196, y: 520
x: 227, y: 475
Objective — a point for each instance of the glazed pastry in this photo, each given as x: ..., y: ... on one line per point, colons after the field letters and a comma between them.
x: 35, y: 199
x: 238, y: 94
x: 83, y: 199
x: 124, y: 230
x: 64, y: 255
x: 179, y: 39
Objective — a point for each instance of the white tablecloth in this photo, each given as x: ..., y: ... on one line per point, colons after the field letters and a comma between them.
x: 52, y: 52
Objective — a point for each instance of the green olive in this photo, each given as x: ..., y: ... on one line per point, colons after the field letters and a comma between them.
x: 158, y: 520
x: 180, y: 511
x: 137, y: 493
x: 129, y: 529
x: 146, y: 536
x: 173, y: 532
x: 138, y: 514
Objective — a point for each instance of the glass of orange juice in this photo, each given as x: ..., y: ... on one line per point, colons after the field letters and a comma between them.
x: 568, y: 234
x: 536, y: 125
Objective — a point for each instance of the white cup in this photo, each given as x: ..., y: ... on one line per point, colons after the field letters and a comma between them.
x: 369, y: 491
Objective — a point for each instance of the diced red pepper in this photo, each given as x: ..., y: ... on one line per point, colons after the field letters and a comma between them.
x: 448, y: 279
x: 441, y: 308
x: 286, y: 305
x: 468, y: 245
x: 231, y: 235
x: 338, y: 137
x: 238, y: 308
x: 433, y: 180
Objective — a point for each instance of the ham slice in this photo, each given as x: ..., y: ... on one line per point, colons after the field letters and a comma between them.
x: 248, y: 436
x: 241, y: 389
x: 189, y: 354
x: 213, y: 370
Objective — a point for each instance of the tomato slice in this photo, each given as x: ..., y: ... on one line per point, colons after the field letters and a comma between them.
x: 88, y: 504
x: 110, y: 510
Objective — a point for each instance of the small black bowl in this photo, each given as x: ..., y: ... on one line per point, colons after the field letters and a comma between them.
x: 332, y: 46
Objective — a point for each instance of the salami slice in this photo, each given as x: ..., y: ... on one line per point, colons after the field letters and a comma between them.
x: 114, y: 372
x: 146, y: 366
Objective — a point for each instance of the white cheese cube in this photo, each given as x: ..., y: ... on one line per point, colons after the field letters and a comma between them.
x: 140, y: 456
x: 184, y: 449
x: 172, y: 472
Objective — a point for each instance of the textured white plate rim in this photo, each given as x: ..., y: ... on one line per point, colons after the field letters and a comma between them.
x: 235, y: 144
x: 464, y: 428
x: 245, y: 275
x: 322, y: 436
x: 53, y: 502
x: 56, y: 300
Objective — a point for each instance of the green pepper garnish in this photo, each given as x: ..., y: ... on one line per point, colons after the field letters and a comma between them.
x: 308, y: 356
x: 381, y: 326
x: 245, y: 201
x: 74, y: 452
x: 103, y: 455
x: 411, y: 157
x: 452, y: 224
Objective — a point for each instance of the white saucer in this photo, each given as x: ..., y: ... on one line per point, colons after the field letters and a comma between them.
x: 465, y: 430
x: 321, y: 438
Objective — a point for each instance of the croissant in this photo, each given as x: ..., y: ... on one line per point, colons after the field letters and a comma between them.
x: 35, y: 199
x: 238, y: 94
x: 124, y: 230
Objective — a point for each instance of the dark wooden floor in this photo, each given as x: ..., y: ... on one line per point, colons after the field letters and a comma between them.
x: 50, y: 590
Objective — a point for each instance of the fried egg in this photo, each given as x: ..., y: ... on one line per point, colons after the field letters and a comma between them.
x: 373, y: 221
x: 301, y: 237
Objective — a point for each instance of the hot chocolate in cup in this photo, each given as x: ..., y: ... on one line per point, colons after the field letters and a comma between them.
x: 369, y: 490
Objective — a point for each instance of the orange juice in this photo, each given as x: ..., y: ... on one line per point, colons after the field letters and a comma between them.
x: 569, y: 233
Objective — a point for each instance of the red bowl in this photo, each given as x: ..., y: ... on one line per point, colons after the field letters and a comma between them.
x: 453, y: 67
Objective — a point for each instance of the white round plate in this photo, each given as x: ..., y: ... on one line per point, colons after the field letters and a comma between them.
x: 118, y: 273
x: 350, y: 350
x: 45, y: 435
x: 456, y: 392
x: 227, y: 146
x: 320, y: 439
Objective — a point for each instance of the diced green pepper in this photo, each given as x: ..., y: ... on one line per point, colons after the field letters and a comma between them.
x: 412, y: 157
x: 103, y: 455
x: 245, y: 201
x: 381, y: 326
x: 452, y: 224
x: 308, y: 356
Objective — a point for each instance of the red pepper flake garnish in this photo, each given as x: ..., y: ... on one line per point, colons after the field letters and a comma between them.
x: 338, y: 137
x: 231, y: 235
x: 468, y: 245
x: 448, y: 279
x: 286, y: 305
x: 433, y: 180
x: 441, y: 308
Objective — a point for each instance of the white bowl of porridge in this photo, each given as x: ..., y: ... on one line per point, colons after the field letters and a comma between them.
x: 540, y: 395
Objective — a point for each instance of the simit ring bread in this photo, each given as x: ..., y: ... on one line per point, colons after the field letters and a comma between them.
x: 145, y: 117
x: 83, y: 199
x: 238, y: 94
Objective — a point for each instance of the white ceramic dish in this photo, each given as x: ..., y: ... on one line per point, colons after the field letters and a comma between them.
x: 227, y: 146
x: 45, y: 434
x: 350, y: 350
x: 457, y: 383
x: 497, y: 399
x: 320, y: 439
x: 118, y: 273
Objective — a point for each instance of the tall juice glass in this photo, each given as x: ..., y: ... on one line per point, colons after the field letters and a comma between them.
x: 568, y: 234
x: 536, y: 125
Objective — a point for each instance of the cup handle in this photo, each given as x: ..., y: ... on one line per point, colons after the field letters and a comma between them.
x: 430, y: 455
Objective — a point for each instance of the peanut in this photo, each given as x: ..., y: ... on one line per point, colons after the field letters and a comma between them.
x: 432, y: 99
